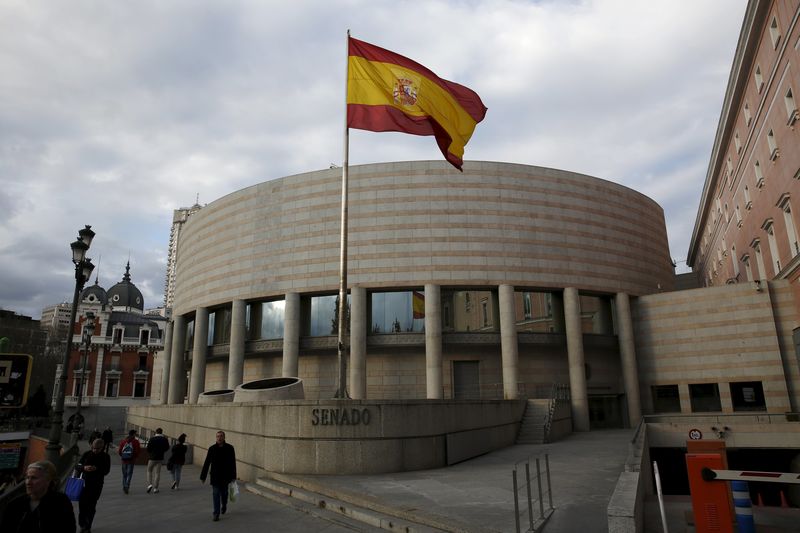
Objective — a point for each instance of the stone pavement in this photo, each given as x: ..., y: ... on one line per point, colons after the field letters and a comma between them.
x: 189, y: 509
x: 473, y: 496
x: 477, y: 495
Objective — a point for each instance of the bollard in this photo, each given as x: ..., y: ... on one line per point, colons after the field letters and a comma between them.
x: 549, y: 487
x: 539, y: 481
x: 528, y: 485
x: 743, y: 507
x: 516, y: 498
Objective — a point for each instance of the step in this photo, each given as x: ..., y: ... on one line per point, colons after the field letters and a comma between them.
x: 311, y: 509
x: 362, y: 512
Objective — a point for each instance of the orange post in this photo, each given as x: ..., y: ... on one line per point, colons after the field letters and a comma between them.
x: 711, y: 500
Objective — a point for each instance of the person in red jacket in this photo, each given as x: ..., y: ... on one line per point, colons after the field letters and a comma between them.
x: 128, y: 451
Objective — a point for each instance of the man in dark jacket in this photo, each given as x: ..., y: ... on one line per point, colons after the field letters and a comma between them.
x: 94, y: 465
x: 108, y: 438
x: 221, y: 459
x: 157, y: 446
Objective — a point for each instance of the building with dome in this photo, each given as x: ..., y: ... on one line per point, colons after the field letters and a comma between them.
x: 116, y: 370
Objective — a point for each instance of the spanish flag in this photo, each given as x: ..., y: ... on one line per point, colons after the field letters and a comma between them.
x: 389, y: 92
x: 418, y: 304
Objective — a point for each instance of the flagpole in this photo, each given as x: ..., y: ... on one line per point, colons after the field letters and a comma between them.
x: 341, y: 391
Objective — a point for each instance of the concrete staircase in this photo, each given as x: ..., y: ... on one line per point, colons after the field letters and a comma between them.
x: 534, y: 421
x: 359, y: 512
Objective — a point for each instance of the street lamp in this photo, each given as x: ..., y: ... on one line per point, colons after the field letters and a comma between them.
x: 83, y: 269
x: 86, y: 341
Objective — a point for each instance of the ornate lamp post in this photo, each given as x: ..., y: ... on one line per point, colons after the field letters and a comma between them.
x: 86, y: 341
x: 83, y: 269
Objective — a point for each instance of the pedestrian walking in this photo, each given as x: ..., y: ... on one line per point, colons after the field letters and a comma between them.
x: 176, y: 461
x: 95, y: 465
x: 95, y: 434
x: 221, y: 461
x: 42, y: 509
x: 128, y: 451
x: 157, y: 446
x: 108, y: 438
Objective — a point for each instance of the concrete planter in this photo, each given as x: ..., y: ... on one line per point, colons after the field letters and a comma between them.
x: 215, y: 396
x: 270, y: 389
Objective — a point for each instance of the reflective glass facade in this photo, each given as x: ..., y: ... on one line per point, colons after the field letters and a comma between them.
x: 264, y: 320
x: 475, y: 311
x: 393, y: 312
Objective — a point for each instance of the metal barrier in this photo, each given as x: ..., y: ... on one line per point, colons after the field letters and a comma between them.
x: 534, y: 523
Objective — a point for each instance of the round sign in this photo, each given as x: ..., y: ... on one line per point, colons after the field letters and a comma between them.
x: 695, y: 434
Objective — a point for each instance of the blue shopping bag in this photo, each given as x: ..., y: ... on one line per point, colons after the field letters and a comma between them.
x: 74, y: 488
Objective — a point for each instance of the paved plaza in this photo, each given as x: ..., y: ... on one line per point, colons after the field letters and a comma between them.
x: 475, y: 496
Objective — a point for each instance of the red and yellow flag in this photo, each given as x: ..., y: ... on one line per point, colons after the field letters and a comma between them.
x: 389, y: 92
x: 418, y: 304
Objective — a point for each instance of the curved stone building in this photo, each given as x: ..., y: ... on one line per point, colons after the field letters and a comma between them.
x: 500, y: 281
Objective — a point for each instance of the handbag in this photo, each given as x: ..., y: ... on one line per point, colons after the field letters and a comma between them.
x: 74, y: 487
x: 233, y: 491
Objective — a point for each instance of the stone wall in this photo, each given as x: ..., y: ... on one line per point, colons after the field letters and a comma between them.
x: 726, y: 334
x: 341, y: 437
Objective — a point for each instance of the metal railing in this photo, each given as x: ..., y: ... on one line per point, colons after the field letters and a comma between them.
x: 542, y: 478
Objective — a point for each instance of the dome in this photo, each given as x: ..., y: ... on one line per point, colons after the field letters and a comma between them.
x: 94, y: 294
x: 125, y: 294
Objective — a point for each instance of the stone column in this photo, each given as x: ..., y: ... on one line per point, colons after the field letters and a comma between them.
x: 199, y: 352
x: 166, y: 355
x: 358, y: 343
x: 433, y: 342
x: 508, y: 342
x: 291, y: 335
x: 236, y: 344
x: 176, y: 371
x: 627, y: 351
x: 577, y: 371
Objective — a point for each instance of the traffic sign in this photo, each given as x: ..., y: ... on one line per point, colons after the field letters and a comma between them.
x: 15, y: 377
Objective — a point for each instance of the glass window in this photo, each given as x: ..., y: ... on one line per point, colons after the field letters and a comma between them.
x: 773, y: 145
x: 138, y: 389
x: 705, y: 397
x: 323, y: 319
x: 534, y: 311
x: 219, y: 327
x: 212, y: 324
x: 189, y: 337
x: 460, y: 315
x: 396, y: 312
x: 791, y: 108
x: 759, y: 79
x: 666, y: 399
x: 748, y: 396
x: 112, y: 388
x: 774, y: 32
x: 272, y: 317
x: 596, y: 315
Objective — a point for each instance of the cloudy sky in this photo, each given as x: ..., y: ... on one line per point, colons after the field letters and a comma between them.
x: 115, y: 113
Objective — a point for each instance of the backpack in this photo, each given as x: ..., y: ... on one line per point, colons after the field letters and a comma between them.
x: 127, y: 451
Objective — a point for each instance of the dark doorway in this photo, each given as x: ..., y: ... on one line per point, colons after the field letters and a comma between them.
x: 605, y: 411
x: 466, y: 380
